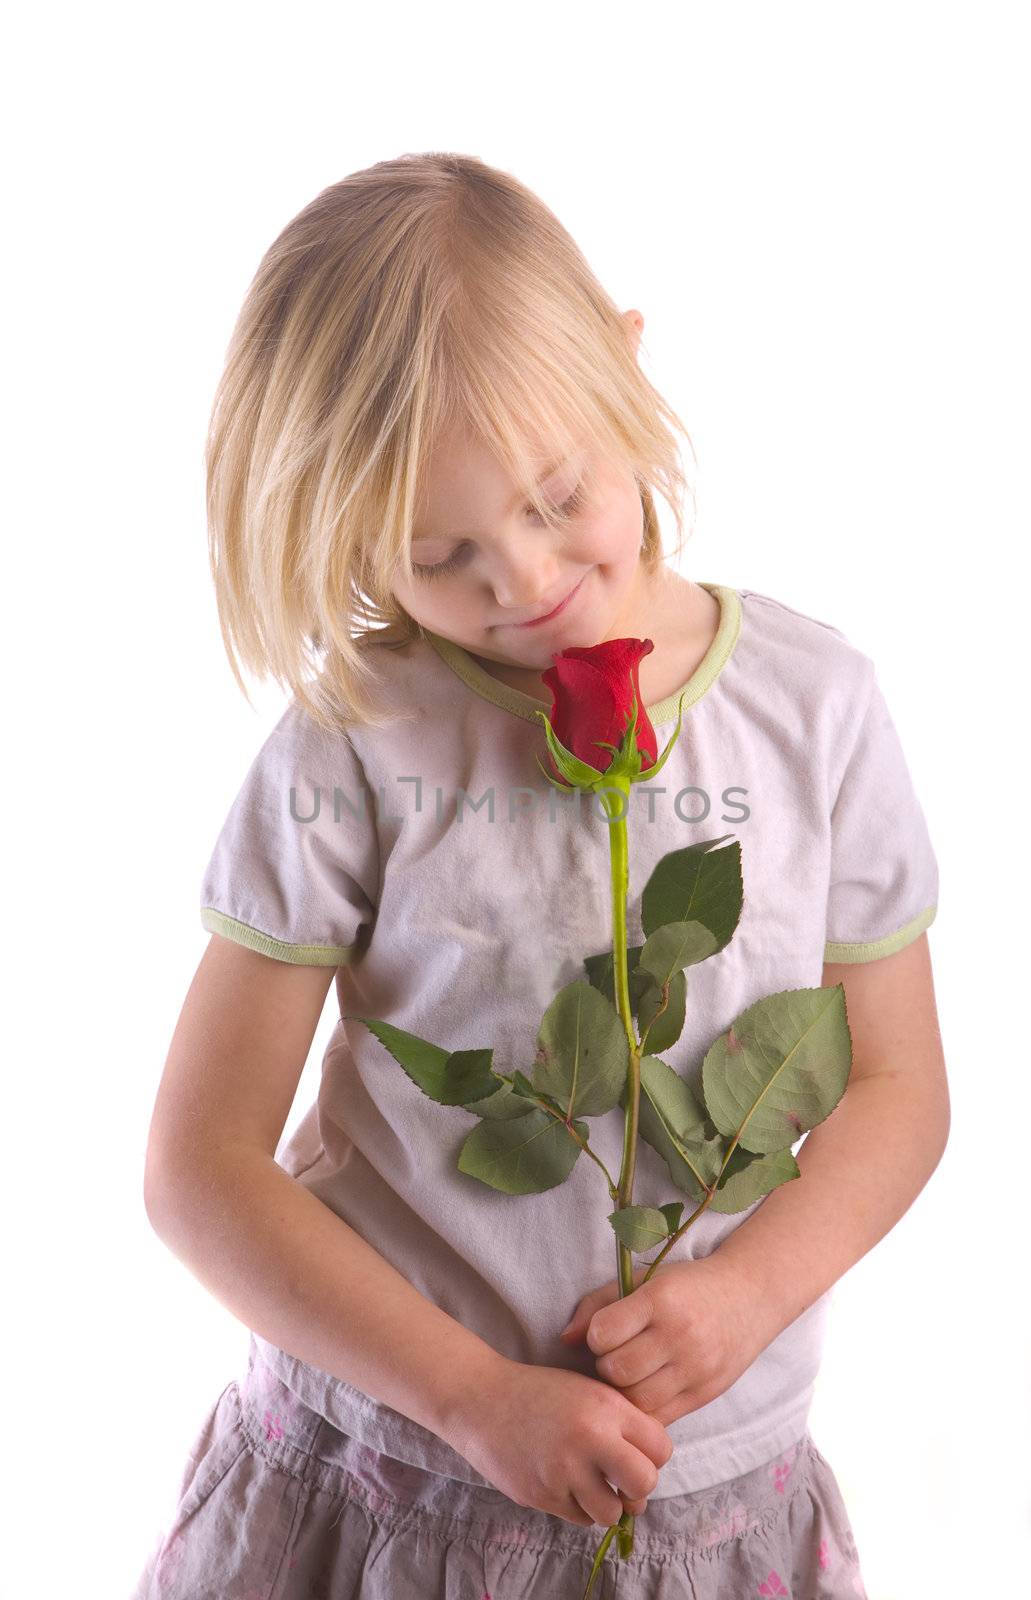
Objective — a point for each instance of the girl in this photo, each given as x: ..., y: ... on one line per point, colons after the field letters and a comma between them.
x: 432, y: 466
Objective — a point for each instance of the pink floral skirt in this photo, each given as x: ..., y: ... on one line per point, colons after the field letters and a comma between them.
x: 276, y: 1504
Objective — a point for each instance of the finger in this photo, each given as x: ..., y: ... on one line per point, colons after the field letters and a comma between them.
x: 632, y: 1474
x: 634, y: 1361
x: 648, y: 1434
x: 620, y: 1320
x: 600, y: 1500
x: 678, y: 1406
x: 574, y: 1512
x: 654, y: 1393
x: 576, y: 1327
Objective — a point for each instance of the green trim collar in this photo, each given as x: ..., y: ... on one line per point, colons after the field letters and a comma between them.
x: 525, y: 705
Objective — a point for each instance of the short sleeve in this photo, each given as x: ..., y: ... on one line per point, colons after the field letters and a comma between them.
x: 883, y: 889
x: 295, y: 868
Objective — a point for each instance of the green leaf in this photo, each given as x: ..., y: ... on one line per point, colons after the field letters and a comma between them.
x: 601, y: 970
x: 672, y: 1211
x: 752, y: 1177
x: 502, y: 1104
x: 582, y: 1052
x: 671, y: 1119
x: 640, y: 1227
x: 673, y: 1099
x: 660, y: 1030
x: 694, y: 885
x: 645, y: 996
x: 780, y: 1068
x: 467, y: 1074
x: 674, y: 946
x: 524, y: 1090
x: 454, y: 1079
x: 521, y: 1085
x: 524, y: 1155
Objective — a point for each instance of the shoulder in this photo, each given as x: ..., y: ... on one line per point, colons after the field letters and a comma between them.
x: 788, y: 623
x: 327, y: 731
x: 807, y: 652
x: 289, y: 761
x: 406, y: 684
x: 801, y: 687
x: 299, y: 736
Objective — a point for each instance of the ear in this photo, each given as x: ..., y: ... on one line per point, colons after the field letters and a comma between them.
x: 635, y: 327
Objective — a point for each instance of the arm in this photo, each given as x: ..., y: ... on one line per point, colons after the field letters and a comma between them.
x: 682, y: 1339
x: 865, y: 1165
x: 266, y: 1247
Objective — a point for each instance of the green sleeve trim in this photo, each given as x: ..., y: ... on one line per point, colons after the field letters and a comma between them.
x: 876, y: 948
x: 301, y: 955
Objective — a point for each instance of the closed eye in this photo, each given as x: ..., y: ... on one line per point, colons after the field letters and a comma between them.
x: 568, y: 508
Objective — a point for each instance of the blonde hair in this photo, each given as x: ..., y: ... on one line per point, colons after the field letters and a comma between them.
x: 422, y: 293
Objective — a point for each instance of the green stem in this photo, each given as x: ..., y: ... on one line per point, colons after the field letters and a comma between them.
x: 616, y: 788
x: 671, y: 1241
x: 583, y: 1143
x: 616, y: 798
x: 598, y: 1559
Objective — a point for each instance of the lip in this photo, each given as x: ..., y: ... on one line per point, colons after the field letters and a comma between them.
x: 539, y: 621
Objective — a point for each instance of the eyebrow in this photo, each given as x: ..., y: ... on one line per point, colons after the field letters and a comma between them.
x: 548, y: 472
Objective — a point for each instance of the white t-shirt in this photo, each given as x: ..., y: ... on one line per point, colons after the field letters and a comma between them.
x: 455, y: 905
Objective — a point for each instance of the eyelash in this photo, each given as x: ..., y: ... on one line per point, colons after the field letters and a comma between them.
x: 569, y: 508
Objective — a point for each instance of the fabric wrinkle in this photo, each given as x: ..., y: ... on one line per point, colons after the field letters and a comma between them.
x: 293, y: 1509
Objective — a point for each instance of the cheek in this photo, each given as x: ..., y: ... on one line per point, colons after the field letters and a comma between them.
x: 613, y: 535
x: 420, y: 604
x: 445, y: 607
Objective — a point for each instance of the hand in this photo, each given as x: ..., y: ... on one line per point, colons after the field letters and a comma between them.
x: 550, y: 1438
x: 676, y: 1342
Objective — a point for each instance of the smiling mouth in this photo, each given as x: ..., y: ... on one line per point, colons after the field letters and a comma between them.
x: 535, y: 622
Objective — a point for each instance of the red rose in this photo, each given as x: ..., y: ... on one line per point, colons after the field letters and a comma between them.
x: 592, y: 691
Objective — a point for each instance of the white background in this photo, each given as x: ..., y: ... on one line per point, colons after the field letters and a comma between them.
x: 822, y: 213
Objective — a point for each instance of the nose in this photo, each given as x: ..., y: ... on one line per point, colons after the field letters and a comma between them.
x: 526, y: 578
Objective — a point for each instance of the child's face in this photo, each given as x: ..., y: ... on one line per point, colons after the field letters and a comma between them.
x: 506, y: 566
